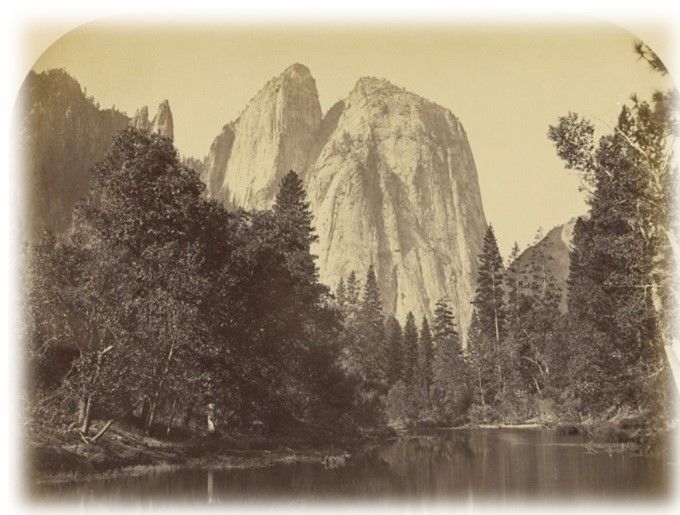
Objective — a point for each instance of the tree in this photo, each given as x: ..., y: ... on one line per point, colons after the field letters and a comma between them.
x: 488, y: 303
x: 487, y: 329
x: 341, y: 294
x: 410, y: 369
x: 620, y: 277
x: 137, y: 230
x: 372, y: 335
x: 395, y: 344
x: 425, y: 353
x: 448, y: 388
x: 353, y: 290
x: 512, y: 283
x: 294, y: 219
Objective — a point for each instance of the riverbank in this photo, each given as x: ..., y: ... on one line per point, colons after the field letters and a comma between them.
x: 62, y: 456
x: 124, y: 451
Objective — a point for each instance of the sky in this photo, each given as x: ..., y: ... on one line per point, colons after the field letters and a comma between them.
x: 505, y: 84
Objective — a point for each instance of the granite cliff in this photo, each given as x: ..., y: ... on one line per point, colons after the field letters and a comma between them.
x: 390, y: 178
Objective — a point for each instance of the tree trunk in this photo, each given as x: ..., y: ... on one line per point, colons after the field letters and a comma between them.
x: 149, y: 421
x: 172, y: 415
x: 86, y: 414
x: 187, y: 415
x: 481, y: 392
x: 85, y: 427
x: 101, y: 431
x: 495, y: 308
x: 158, y: 388
x: 144, y: 414
x: 211, y: 418
x: 81, y: 409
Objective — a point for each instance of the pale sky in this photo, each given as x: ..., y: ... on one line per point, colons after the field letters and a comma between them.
x: 505, y: 84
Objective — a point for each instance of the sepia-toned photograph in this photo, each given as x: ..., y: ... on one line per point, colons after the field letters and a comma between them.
x: 308, y: 262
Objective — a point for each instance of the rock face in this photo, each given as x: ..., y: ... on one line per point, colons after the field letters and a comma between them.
x: 215, y: 165
x: 140, y: 120
x: 161, y: 124
x: 390, y: 178
x: 272, y: 135
x: 61, y: 133
x: 552, y: 251
x: 395, y: 184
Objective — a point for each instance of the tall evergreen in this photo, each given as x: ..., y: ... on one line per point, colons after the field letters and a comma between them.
x: 353, y: 290
x: 294, y: 220
x: 448, y: 373
x: 372, y: 333
x: 512, y: 283
x: 371, y: 305
x: 444, y: 329
x: 410, y: 350
x: 425, y: 352
x: 395, y: 345
x: 292, y: 212
x: 489, y: 309
x: 341, y: 294
x: 620, y: 287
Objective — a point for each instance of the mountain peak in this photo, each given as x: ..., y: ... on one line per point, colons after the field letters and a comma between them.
x: 161, y: 124
x: 271, y: 136
x: 140, y: 120
x: 297, y: 70
x: 370, y: 85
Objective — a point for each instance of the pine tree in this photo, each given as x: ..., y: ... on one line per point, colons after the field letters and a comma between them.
x: 512, y: 283
x: 353, y: 290
x: 292, y: 211
x: 425, y: 352
x: 489, y: 308
x: 448, y: 373
x: 294, y: 219
x: 371, y: 304
x: 488, y: 327
x: 395, y: 344
x: 410, y: 350
x: 620, y: 288
x: 341, y: 294
x: 372, y: 335
x: 444, y: 329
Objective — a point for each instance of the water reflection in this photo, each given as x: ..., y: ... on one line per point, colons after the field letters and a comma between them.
x: 471, y: 464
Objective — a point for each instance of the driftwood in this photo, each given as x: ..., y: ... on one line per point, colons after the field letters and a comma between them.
x: 91, y: 440
x: 101, y: 431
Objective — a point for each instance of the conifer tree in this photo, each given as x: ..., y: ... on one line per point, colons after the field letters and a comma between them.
x: 489, y: 309
x: 410, y: 350
x: 294, y: 219
x: 512, y: 283
x: 292, y: 211
x: 352, y: 289
x: 620, y: 292
x: 395, y: 345
x: 341, y: 294
x: 488, y: 327
x: 372, y: 335
x: 448, y: 374
x: 425, y: 353
x: 371, y: 305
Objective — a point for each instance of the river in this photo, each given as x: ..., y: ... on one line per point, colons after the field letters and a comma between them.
x: 460, y: 465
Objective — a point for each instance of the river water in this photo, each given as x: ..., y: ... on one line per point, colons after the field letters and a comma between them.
x: 460, y: 465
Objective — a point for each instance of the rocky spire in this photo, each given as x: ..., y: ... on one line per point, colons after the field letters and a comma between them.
x: 161, y: 124
x: 389, y: 175
x: 140, y: 120
x: 273, y: 134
